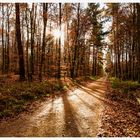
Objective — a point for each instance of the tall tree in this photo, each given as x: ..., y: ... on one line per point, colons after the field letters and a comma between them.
x: 59, y: 48
x: 138, y: 40
x: 76, y: 45
x: 3, y: 46
x: 19, y: 44
x: 96, y: 38
x: 45, y: 9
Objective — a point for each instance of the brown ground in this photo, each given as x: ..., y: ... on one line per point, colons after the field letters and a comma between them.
x: 122, y: 118
x: 76, y: 113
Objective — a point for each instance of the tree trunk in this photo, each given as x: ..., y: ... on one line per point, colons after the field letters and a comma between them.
x: 19, y: 44
x: 138, y: 40
x: 7, y: 50
x: 3, y: 48
x: 74, y: 60
x: 45, y: 8
x: 27, y: 45
x: 59, y: 48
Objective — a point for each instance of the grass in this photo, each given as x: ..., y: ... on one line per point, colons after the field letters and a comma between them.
x: 87, y: 78
x: 94, y: 78
x: 127, y: 87
x: 15, y: 98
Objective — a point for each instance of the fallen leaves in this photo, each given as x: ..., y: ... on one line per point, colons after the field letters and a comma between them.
x: 121, y: 120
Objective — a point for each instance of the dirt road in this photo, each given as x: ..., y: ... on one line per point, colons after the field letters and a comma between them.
x: 76, y: 113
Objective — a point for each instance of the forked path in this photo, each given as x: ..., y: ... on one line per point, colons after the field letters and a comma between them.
x: 76, y: 113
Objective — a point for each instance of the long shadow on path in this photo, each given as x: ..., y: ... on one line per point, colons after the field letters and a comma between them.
x: 71, y: 127
x: 95, y: 95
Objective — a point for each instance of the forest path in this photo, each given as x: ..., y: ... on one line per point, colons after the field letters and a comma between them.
x: 76, y: 113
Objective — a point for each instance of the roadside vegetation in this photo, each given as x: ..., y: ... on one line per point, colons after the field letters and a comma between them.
x: 15, y: 97
x: 131, y: 89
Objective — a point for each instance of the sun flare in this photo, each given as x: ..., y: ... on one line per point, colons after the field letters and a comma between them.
x: 59, y: 34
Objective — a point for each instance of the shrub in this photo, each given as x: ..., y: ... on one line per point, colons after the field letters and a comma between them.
x: 58, y: 86
x: 115, y: 82
x: 125, y: 86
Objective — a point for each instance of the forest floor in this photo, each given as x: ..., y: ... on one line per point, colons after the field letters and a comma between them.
x: 75, y: 113
x: 121, y: 117
x: 89, y: 109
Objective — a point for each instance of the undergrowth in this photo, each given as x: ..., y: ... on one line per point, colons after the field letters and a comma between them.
x: 126, y: 87
x: 94, y: 78
x: 85, y: 79
x: 15, y: 98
